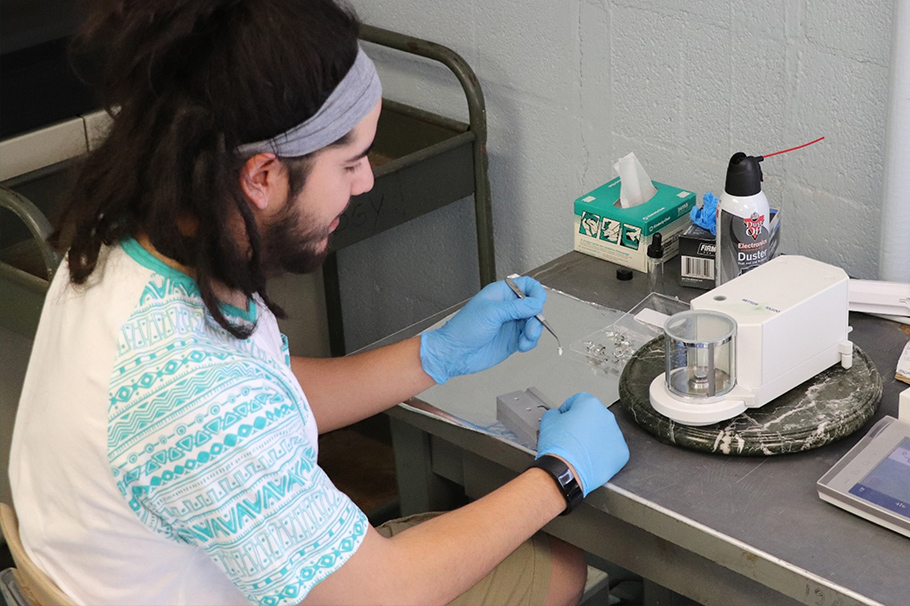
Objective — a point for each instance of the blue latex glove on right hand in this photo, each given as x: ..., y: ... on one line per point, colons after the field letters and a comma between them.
x: 584, y: 433
x: 493, y: 325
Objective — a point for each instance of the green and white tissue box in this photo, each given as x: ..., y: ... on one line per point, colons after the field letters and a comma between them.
x: 605, y: 230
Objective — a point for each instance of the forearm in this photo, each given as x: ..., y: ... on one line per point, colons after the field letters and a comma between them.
x: 454, y: 551
x: 436, y: 561
x: 345, y: 390
x: 490, y: 327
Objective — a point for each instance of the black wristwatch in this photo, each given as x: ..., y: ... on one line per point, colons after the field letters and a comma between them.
x: 565, y: 480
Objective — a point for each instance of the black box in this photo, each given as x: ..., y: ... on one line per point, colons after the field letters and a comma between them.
x: 697, y: 247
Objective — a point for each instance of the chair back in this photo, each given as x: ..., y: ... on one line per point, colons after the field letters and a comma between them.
x: 35, y: 585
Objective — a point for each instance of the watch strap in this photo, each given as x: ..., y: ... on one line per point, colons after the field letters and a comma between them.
x: 564, y: 478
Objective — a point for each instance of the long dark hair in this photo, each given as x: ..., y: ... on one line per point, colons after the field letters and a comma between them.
x: 186, y: 82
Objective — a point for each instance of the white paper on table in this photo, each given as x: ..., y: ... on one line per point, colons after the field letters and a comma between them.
x: 903, y: 365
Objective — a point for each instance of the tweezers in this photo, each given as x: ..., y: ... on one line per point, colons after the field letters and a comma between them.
x: 539, y: 316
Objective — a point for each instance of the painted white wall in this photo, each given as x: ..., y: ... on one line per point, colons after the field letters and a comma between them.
x: 573, y: 85
x: 894, y: 252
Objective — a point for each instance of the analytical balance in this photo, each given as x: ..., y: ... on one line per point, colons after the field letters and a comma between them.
x: 752, y: 339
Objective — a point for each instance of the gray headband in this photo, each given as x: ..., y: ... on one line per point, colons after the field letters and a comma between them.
x: 357, y: 93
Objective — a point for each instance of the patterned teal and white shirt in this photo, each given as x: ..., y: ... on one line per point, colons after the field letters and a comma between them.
x: 158, y: 459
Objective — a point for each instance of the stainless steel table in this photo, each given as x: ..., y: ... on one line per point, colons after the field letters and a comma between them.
x: 719, y: 530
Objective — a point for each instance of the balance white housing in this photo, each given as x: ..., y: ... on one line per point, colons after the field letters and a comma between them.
x: 792, y: 323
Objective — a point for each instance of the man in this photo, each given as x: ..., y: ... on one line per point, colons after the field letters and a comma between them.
x: 165, y: 449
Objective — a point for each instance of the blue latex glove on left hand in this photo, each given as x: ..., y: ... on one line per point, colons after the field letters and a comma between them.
x: 492, y: 326
x: 584, y: 433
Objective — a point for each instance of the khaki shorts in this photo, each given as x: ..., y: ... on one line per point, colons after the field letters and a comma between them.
x: 523, y: 578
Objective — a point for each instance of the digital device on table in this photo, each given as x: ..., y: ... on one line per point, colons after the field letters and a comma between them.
x: 873, y: 479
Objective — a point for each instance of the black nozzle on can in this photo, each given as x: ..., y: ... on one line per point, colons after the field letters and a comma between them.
x: 743, y: 175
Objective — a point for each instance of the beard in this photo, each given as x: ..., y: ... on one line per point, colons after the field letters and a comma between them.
x: 291, y: 248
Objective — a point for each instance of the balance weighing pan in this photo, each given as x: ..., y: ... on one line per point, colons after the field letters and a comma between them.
x: 829, y: 406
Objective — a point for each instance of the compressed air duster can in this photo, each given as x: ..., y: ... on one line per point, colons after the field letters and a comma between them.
x: 743, y: 218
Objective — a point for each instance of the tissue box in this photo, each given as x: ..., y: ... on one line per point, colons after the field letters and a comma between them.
x: 698, y: 249
x: 605, y: 230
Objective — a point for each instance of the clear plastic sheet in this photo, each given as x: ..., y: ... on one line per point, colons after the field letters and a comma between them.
x: 608, y: 349
x: 470, y: 401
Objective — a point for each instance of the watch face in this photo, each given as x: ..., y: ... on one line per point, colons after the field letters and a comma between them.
x: 566, y: 475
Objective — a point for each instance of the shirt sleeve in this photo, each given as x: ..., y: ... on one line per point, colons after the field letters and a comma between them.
x: 214, y: 453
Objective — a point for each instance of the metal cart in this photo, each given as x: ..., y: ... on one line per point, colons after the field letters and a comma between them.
x: 422, y: 162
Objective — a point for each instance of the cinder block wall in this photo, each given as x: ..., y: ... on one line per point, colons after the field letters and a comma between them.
x: 572, y: 85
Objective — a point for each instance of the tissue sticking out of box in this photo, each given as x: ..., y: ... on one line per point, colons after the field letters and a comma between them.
x: 635, y: 185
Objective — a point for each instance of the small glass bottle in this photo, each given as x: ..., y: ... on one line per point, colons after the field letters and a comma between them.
x: 656, y: 263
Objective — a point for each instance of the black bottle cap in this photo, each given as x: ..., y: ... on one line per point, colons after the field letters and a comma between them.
x: 623, y: 273
x: 743, y: 175
x: 656, y: 247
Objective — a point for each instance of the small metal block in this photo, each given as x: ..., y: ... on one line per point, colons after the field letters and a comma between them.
x: 520, y: 412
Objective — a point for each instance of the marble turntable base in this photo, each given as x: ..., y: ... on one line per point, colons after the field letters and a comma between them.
x: 830, y: 406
